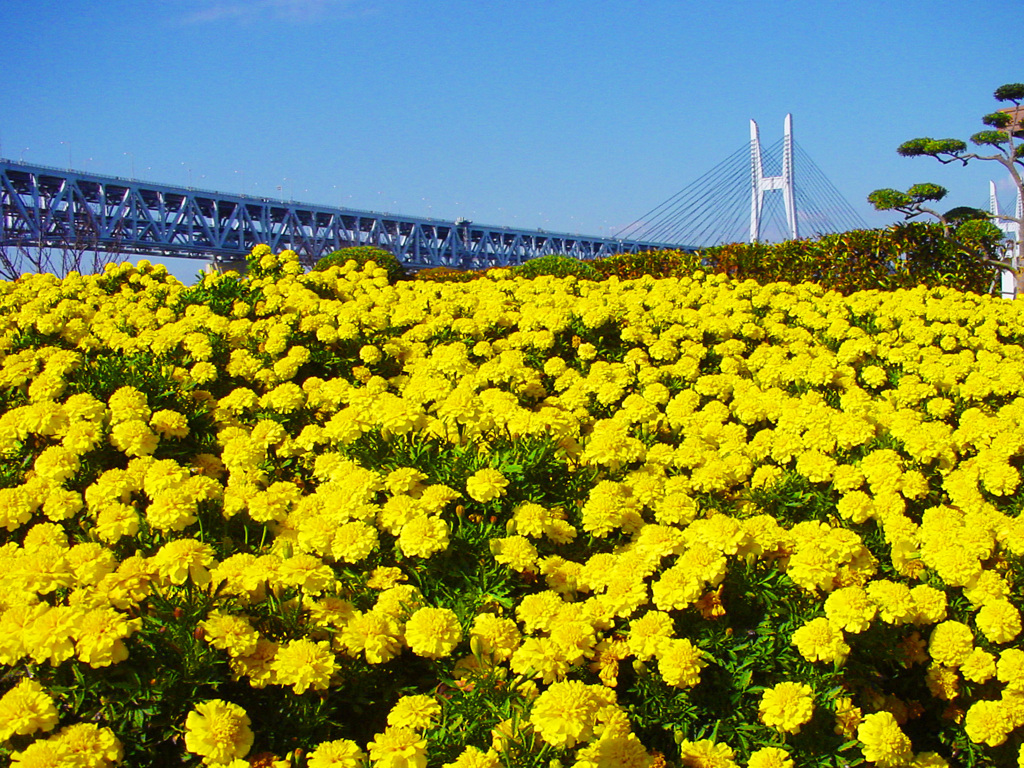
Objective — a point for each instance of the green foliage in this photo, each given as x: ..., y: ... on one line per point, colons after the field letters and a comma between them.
x: 362, y: 254
x: 556, y: 266
x: 981, y: 231
x: 663, y: 263
x: 901, y: 256
x: 447, y: 275
x: 1010, y: 92
x: 220, y: 293
x: 931, y: 147
x: 990, y: 138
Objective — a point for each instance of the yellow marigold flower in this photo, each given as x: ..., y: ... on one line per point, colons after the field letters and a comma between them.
x: 494, y: 637
x: 856, y: 506
x: 45, y: 753
x: 134, y: 437
x: 821, y: 640
x: 385, y: 577
x: 986, y: 723
x: 433, y: 632
x: 230, y: 632
x: 928, y: 760
x: 1010, y: 669
x: 951, y: 643
x: 354, y: 541
x: 404, y: 480
x: 883, y: 743
x: 649, y: 633
x: 101, y: 634
x: 943, y: 682
x: 340, y: 753
x: 115, y: 521
x: 787, y: 706
x: 770, y: 757
x: 931, y: 604
x: 517, y: 552
x: 999, y: 621
x: 182, y: 559
x: 848, y: 717
x: 284, y: 398
x: 91, y: 745
x: 90, y: 561
x: 816, y: 466
x: 486, y: 485
x: 424, y: 536
x: 614, y: 751
x: 49, y: 638
x: 979, y: 667
x: 25, y: 709
x: 706, y: 753
x: 399, y: 601
x: 374, y: 633
x: 258, y: 665
x: 169, y: 423
x: 896, y: 604
x: 566, y: 712
x: 560, y: 575
x: 575, y: 639
x: 680, y: 663
x: 541, y: 658
x: 306, y: 572
x: 128, y: 403
x: 850, y: 608
x: 129, y: 585
x: 398, y: 747
x: 677, y: 588
x: 218, y: 731
x: 56, y: 464
x: 304, y: 664
x: 417, y: 712
x: 471, y: 757
x: 62, y: 504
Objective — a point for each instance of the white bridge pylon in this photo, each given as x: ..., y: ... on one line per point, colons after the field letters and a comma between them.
x: 760, y: 184
x: 1012, y: 229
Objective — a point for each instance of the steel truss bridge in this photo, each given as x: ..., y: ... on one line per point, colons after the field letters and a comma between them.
x: 44, y: 207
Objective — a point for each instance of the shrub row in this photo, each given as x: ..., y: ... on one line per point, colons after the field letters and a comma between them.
x: 901, y: 256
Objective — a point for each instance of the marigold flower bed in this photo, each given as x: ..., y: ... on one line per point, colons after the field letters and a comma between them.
x: 320, y: 520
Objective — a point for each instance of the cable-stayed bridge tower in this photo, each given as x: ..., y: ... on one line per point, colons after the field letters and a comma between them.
x: 736, y: 202
x: 761, y: 184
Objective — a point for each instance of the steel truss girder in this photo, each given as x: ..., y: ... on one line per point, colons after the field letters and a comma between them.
x: 42, y: 206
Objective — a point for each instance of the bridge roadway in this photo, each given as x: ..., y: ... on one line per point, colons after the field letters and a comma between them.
x: 52, y: 207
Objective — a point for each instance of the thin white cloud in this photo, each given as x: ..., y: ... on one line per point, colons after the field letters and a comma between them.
x: 252, y: 11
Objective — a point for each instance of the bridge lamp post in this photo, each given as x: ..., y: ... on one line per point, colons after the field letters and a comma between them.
x: 243, y: 180
x: 68, y: 144
x: 22, y: 155
x: 189, y: 168
x: 132, y: 157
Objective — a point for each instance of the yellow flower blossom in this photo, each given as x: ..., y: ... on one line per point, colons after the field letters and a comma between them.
x: 218, y: 731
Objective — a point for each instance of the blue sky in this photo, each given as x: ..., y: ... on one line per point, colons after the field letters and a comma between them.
x: 566, y: 115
